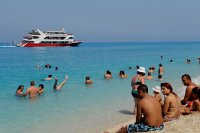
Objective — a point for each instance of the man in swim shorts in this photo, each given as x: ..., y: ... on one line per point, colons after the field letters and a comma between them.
x: 149, y: 114
x: 186, y: 79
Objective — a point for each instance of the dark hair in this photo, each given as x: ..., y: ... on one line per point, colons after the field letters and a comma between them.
x: 19, y: 87
x: 143, y: 88
x: 41, y: 85
x: 137, y: 66
x: 159, y: 76
x: 87, y: 78
x: 196, y: 90
x: 49, y: 75
x: 187, y: 76
x: 32, y: 83
x: 160, y: 65
x: 168, y: 86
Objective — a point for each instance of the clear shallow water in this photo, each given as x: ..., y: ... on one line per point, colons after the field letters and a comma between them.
x: 80, y: 108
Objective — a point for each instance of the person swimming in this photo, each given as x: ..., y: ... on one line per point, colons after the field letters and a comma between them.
x: 58, y: 87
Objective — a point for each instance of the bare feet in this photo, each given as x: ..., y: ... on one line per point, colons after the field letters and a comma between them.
x: 66, y: 77
x: 122, y: 130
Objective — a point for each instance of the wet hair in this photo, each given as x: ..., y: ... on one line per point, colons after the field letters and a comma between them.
x: 56, y: 68
x: 87, y: 78
x: 187, y: 76
x: 19, y: 87
x: 32, y: 83
x: 159, y: 76
x: 168, y: 86
x: 160, y: 65
x: 137, y: 66
x: 41, y: 85
x: 143, y: 88
x: 49, y: 75
x: 196, y: 90
x: 123, y: 73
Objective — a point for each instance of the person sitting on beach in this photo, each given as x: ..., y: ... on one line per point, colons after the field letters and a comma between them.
x: 135, y: 82
x: 161, y: 69
x: 19, y: 91
x: 186, y: 79
x: 171, y: 107
x: 196, y: 99
x: 149, y: 77
x: 88, y: 80
x: 58, y: 87
x: 41, y: 89
x: 149, y: 114
x: 108, y: 75
x: 122, y: 75
x: 156, y: 91
x: 32, y: 91
x: 48, y: 78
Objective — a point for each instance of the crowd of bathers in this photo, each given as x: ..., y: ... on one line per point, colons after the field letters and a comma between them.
x: 34, y: 91
x: 152, y: 111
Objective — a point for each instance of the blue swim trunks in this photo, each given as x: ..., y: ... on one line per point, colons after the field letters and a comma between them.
x: 142, y: 128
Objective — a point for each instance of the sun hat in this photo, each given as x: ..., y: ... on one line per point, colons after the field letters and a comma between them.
x: 156, y: 89
x: 141, y: 69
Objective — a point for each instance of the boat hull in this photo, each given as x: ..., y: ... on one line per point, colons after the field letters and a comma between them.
x: 73, y: 44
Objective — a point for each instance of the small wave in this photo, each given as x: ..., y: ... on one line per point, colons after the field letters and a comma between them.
x: 7, y: 46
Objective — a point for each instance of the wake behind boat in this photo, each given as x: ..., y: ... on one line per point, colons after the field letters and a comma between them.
x: 37, y: 38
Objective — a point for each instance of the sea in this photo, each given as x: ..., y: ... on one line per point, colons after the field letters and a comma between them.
x: 80, y: 108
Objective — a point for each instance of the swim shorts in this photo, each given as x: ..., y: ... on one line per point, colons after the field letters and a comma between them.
x: 142, y: 128
x: 134, y: 93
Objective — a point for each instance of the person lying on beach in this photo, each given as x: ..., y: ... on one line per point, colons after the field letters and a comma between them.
x: 19, y: 91
x: 156, y: 91
x: 32, y: 91
x: 186, y: 79
x: 149, y: 114
x: 171, y: 107
x: 108, y: 75
x: 41, y: 89
x: 58, y: 87
x: 88, y: 80
x: 135, y: 82
x: 48, y: 78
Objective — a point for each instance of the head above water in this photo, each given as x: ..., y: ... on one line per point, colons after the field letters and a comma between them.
x: 32, y: 83
x: 41, y: 86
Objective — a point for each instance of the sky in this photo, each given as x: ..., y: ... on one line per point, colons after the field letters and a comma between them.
x: 103, y: 20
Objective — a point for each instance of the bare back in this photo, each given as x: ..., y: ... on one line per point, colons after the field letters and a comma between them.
x: 32, y: 91
x: 171, y: 107
x: 151, y: 109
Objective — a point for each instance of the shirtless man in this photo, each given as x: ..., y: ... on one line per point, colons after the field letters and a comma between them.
x: 161, y: 69
x: 186, y: 79
x: 32, y: 91
x: 149, y: 114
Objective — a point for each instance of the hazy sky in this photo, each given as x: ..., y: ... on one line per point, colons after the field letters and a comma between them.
x: 103, y: 20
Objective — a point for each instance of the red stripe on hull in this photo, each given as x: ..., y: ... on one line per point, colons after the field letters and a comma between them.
x: 51, y: 44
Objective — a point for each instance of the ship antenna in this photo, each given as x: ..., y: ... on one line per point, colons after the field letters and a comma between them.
x: 63, y: 29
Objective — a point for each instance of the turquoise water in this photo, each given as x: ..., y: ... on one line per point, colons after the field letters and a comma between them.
x: 77, y: 107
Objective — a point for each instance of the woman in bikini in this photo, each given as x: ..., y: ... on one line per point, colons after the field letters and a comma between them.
x: 136, y: 81
x: 171, y: 107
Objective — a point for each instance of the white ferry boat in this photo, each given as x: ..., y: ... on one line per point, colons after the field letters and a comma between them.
x: 37, y: 38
